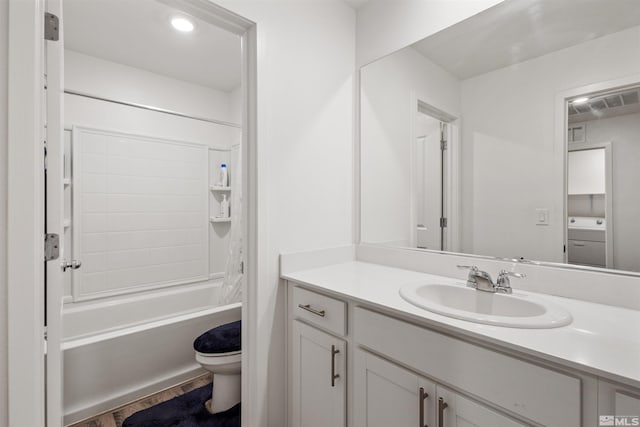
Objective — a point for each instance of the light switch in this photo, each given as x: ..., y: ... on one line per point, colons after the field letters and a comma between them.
x: 542, y: 216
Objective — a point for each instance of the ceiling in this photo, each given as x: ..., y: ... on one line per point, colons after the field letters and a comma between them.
x: 517, y: 30
x: 138, y: 33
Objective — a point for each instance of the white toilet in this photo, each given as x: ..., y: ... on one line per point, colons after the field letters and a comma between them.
x: 218, y: 351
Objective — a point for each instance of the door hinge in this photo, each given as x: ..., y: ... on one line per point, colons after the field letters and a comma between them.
x: 443, y: 222
x: 51, y: 246
x: 443, y: 145
x: 51, y: 27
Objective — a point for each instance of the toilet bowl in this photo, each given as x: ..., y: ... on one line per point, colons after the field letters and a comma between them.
x: 218, y: 351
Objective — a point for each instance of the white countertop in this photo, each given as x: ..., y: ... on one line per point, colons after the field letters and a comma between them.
x: 602, y: 340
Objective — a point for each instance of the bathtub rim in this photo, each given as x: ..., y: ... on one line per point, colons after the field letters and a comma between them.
x: 137, y: 328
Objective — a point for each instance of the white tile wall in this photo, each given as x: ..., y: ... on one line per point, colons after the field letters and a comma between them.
x: 141, y: 209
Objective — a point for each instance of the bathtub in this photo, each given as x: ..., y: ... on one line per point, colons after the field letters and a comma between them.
x: 122, y: 349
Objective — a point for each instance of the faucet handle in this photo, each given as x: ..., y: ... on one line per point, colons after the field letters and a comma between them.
x: 503, y: 284
x: 504, y: 274
x: 471, y: 278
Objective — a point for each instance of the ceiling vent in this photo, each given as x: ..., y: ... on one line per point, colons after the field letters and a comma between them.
x: 604, y: 106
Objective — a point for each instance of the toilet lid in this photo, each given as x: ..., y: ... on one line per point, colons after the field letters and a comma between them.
x: 221, y: 339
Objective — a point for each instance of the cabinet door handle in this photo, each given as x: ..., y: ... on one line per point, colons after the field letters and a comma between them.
x: 312, y: 310
x: 423, y: 395
x: 442, y: 405
x: 334, y: 376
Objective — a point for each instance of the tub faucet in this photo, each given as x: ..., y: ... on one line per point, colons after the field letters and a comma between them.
x: 481, y: 280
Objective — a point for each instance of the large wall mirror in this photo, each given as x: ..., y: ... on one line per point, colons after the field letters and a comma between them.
x: 513, y: 134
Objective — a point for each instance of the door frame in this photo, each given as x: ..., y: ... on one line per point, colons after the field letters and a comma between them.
x: 561, y: 160
x: 451, y: 174
x: 25, y: 211
x: 25, y: 216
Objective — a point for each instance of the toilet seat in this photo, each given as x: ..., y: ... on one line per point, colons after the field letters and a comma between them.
x: 221, y: 340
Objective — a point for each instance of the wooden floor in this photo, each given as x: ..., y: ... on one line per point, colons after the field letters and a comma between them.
x: 116, y: 417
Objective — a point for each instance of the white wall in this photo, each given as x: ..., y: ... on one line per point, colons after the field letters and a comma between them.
x: 96, y: 76
x: 4, y: 42
x: 511, y: 162
x: 306, y: 63
x: 624, y: 134
x: 111, y: 80
x: 391, y: 87
x: 385, y: 26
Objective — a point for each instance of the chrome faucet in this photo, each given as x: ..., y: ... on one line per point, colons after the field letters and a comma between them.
x: 481, y: 280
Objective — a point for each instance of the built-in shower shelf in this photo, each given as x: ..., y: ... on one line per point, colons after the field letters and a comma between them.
x: 220, y: 219
x: 218, y: 188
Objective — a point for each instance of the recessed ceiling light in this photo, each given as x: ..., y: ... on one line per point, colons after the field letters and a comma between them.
x: 182, y: 24
x: 580, y: 100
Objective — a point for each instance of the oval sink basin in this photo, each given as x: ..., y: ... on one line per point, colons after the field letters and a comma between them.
x: 515, y: 310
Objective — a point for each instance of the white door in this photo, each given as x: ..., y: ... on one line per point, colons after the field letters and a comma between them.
x: 319, y: 378
x: 428, y: 176
x: 455, y: 410
x: 55, y: 217
x: 388, y: 395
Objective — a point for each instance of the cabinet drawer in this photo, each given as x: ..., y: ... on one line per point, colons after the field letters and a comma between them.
x: 542, y: 395
x: 320, y: 310
x: 587, y: 252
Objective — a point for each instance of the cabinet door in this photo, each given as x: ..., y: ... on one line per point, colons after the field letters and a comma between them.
x: 388, y: 395
x: 614, y: 399
x: 318, y: 378
x: 627, y: 405
x: 455, y: 410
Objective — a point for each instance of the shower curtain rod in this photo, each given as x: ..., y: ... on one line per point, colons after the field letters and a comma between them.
x: 150, y: 108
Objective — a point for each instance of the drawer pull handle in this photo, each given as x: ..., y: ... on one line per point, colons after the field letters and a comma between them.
x: 442, y: 405
x: 312, y: 310
x: 578, y: 244
x: 421, y: 399
x: 334, y: 376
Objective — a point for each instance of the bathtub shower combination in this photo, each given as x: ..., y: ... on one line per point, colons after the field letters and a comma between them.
x: 159, y: 268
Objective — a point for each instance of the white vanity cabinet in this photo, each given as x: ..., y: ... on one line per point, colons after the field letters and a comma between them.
x: 317, y: 361
x: 391, y: 369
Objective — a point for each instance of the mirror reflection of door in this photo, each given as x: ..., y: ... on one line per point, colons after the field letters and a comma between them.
x: 429, y: 182
x: 603, y: 211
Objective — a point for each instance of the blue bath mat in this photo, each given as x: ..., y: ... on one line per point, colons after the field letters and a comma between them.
x: 186, y: 410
